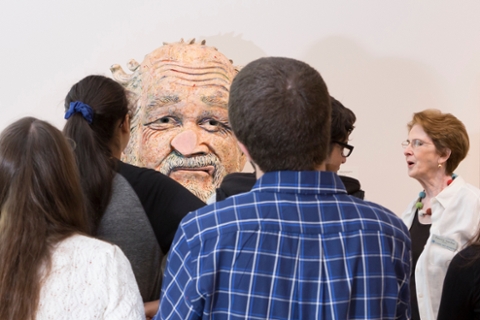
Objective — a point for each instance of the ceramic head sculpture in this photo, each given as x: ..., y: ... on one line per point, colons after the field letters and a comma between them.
x: 180, y: 123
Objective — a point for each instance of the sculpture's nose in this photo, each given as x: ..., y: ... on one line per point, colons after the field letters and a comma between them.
x: 186, y: 143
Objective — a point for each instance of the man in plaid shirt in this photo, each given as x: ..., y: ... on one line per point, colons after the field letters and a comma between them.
x: 296, y: 246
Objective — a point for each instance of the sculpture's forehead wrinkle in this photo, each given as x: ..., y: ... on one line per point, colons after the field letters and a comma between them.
x: 213, y: 69
x: 168, y: 75
x: 215, y: 75
x: 189, y: 55
x: 168, y: 100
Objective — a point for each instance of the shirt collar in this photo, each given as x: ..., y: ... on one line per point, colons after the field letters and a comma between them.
x: 448, y: 194
x: 306, y: 182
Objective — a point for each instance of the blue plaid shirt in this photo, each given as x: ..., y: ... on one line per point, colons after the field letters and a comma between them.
x: 295, y: 247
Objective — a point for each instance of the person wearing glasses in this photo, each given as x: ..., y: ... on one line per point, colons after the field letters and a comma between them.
x: 446, y: 213
x: 343, y: 120
x: 342, y: 124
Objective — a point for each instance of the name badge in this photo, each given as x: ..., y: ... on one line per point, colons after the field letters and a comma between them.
x: 444, y: 242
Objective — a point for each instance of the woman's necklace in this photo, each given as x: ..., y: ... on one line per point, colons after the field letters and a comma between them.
x: 422, y: 195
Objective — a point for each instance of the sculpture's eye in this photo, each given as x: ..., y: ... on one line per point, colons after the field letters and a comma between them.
x: 162, y: 123
x: 214, y: 125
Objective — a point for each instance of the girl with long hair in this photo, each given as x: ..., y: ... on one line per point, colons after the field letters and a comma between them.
x: 49, y: 268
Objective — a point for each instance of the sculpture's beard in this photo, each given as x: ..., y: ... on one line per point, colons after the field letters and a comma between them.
x: 175, y: 161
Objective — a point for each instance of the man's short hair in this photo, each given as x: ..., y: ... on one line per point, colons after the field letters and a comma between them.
x: 343, y: 120
x: 279, y: 108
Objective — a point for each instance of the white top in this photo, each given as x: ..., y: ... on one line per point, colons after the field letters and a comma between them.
x: 89, y: 279
x: 455, y: 220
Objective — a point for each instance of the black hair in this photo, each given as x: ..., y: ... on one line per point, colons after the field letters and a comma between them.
x: 279, y: 108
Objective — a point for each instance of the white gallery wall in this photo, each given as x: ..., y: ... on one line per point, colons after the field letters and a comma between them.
x: 382, y: 59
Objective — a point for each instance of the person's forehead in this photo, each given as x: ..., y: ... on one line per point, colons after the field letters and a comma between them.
x: 418, y: 131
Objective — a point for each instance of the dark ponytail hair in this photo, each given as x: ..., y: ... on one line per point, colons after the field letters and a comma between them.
x: 109, y: 102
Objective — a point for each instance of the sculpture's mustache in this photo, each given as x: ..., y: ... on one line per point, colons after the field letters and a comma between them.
x: 175, y: 161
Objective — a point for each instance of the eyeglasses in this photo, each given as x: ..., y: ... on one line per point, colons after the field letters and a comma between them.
x: 345, y: 153
x: 414, y: 143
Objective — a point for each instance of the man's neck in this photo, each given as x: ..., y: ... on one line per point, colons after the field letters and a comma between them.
x: 259, y: 173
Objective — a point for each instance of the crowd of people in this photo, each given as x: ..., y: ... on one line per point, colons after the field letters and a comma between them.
x: 84, y: 235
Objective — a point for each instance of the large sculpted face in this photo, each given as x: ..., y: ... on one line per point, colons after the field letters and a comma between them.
x: 181, y: 126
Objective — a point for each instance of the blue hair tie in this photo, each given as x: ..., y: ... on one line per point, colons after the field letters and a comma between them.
x: 82, y: 108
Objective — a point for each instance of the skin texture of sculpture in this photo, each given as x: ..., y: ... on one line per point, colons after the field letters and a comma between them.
x: 180, y: 124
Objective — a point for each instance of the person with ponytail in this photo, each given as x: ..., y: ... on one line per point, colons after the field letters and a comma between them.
x: 49, y: 267
x: 136, y: 208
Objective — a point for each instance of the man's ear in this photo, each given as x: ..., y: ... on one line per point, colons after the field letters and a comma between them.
x: 244, y: 150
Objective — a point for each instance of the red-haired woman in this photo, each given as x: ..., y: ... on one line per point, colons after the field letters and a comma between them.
x: 446, y: 213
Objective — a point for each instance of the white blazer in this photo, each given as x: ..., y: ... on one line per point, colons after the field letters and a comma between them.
x: 455, y: 220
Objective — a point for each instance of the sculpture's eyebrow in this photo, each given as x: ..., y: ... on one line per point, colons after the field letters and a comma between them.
x: 214, y: 101
x: 161, y: 101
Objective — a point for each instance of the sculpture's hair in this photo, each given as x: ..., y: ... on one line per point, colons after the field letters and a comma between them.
x: 446, y: 132
x: 41, y: 204
x: 138, y: 81
x: 109, y: 101
x: 279, y: 108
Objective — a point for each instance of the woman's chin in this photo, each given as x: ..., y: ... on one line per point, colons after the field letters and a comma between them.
x: 411, y: 173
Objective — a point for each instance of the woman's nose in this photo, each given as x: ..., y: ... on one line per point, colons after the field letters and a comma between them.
x: 407, y: 150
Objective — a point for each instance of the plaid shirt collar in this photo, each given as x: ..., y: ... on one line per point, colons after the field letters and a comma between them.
x: 300, y: 182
